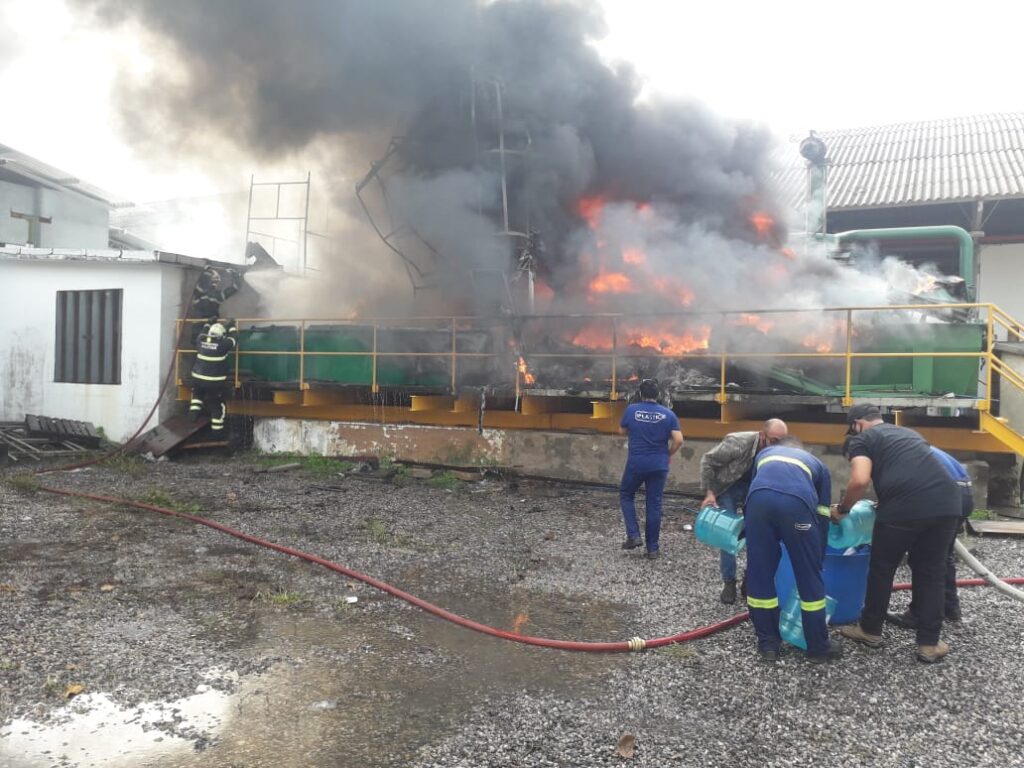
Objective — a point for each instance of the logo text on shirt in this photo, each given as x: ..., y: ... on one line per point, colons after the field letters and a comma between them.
x: 650, y: 416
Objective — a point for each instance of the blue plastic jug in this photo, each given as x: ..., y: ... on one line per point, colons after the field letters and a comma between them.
x: 721, y: 529
x: 791, y: 625
x: 856, y: 527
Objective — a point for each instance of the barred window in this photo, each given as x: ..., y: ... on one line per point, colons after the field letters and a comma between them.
x: 88, y: 349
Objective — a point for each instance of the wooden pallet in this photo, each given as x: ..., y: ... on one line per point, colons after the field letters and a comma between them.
x: 19, y: 444
x: 58, y: 430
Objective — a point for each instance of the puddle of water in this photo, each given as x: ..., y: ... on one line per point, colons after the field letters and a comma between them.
x: 94, y: 731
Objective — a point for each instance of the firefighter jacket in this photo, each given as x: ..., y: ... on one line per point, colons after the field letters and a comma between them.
x: 728, y: 461
x: 212, y: 355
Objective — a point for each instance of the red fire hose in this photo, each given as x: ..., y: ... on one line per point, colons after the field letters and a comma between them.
x: 633, y: 644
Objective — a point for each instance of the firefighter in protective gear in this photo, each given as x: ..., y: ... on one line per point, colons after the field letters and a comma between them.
x: 788, y: 491
x: 210, y: 371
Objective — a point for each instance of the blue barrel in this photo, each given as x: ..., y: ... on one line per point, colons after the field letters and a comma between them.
x: 845, y: 576
x: 721, y: 529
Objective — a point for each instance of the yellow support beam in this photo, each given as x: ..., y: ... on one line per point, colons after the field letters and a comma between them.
x: 604, y: 409
x: 999, y: 429
x: 431, y: 402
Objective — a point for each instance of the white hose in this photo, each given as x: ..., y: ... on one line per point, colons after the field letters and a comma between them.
x: 976, y: 566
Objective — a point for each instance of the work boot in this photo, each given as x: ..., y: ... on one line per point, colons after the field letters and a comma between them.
x: 769, y: 654
x: 929, y: 654
x: 728, y: 596
x: 632, y: 543
x: 854, y: 632
x: 907, y: 620
x: 834, y: 652
x: 653, y: 555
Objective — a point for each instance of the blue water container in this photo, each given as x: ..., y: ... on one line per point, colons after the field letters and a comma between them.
x: 845, y: 577
x: 856, y: 527
x: 721, y: 529
x: 791, y: 625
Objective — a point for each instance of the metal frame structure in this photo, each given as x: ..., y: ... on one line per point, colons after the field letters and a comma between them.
x: 546, y: 410
x: 303, y: 243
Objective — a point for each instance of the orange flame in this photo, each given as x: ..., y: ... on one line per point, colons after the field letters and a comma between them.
x: 590, y: 209
x: 611, y: 282
x: 755, y: 321
x: 634, y: 256
x: 528, y: 378
x: 763, y: 223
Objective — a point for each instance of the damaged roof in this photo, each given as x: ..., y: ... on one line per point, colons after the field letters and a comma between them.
x: 27, y: 253
x: 17, y: 164
x: 978, y: 157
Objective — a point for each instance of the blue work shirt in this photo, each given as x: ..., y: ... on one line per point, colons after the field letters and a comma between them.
x: 794, y: 472
x: 953, y: 467
x: 650, y: 426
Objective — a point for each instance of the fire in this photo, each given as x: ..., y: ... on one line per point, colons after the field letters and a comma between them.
x: 762, y: 223
x: 674, y: 289
x: 634, y: 256
x: 528, y: 378
x: 611, y: 282
x: 590, y: 210
x: 755, y: 321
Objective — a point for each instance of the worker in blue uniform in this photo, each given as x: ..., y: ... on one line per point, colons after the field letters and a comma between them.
x: 788, y: 487
x: 654, y: 435
x: 951, y: 598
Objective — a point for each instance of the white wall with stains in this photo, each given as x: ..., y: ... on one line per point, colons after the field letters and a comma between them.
x: 28, y: 289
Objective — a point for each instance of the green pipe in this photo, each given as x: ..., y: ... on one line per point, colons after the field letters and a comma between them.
x: 944, y: 231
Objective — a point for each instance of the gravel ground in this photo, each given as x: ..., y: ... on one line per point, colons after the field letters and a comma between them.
x: 146, y: 609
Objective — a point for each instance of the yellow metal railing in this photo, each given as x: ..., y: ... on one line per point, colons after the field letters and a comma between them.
x: 996, y: 322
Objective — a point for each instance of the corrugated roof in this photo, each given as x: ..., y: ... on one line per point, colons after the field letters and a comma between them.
x: 980, y: 157
x: 23, y: 165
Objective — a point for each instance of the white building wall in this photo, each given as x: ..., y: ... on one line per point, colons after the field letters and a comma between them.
x: 151, y: 300
x: 76, y: 221
x: 1001, y: 275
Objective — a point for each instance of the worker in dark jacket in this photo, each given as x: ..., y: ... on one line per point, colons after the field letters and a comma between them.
x: 788, y: 502
x: 951, y: 607
x: 918, y: 512
x: 210, y: 371
x: 725, y: 473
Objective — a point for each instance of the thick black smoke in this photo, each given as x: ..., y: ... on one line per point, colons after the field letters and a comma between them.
x: 345, y: 76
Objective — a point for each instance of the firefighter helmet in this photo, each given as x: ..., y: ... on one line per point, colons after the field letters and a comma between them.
x: 217, y: 330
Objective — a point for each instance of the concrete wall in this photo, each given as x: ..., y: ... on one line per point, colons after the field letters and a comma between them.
x: 77, y: 222
x: 1001, y: 270
x: 558, y: 455
x: 151, y: 301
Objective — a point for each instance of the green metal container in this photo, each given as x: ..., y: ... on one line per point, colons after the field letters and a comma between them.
x: 271, y: 367
x: 339, y: 369
x: 922, y: 375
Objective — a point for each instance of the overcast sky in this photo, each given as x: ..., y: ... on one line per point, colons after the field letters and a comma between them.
x: 793, y: 65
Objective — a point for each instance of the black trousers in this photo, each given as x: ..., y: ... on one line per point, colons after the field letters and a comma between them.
x: 209, y: 396
x: 927, y: 541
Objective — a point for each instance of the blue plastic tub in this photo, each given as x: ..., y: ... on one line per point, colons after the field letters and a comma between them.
x: 846, y: 579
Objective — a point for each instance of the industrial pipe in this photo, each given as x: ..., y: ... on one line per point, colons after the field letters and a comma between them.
x: 975, y: 565
x: 943, y: 231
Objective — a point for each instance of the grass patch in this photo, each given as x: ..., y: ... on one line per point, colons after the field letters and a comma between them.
x: 130, y: 464
x: 678, y: 651
x: 443, y: 480
x: 162, y: 498
x: 378, y: 530
x: 281, y: 598
x: 26, y: 482
x: 315, y: 463
x: 983, y: 514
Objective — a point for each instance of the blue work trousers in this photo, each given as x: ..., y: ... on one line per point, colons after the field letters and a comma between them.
x: 731, y: 498
x: 653, y: 482
x: 771, y: 518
